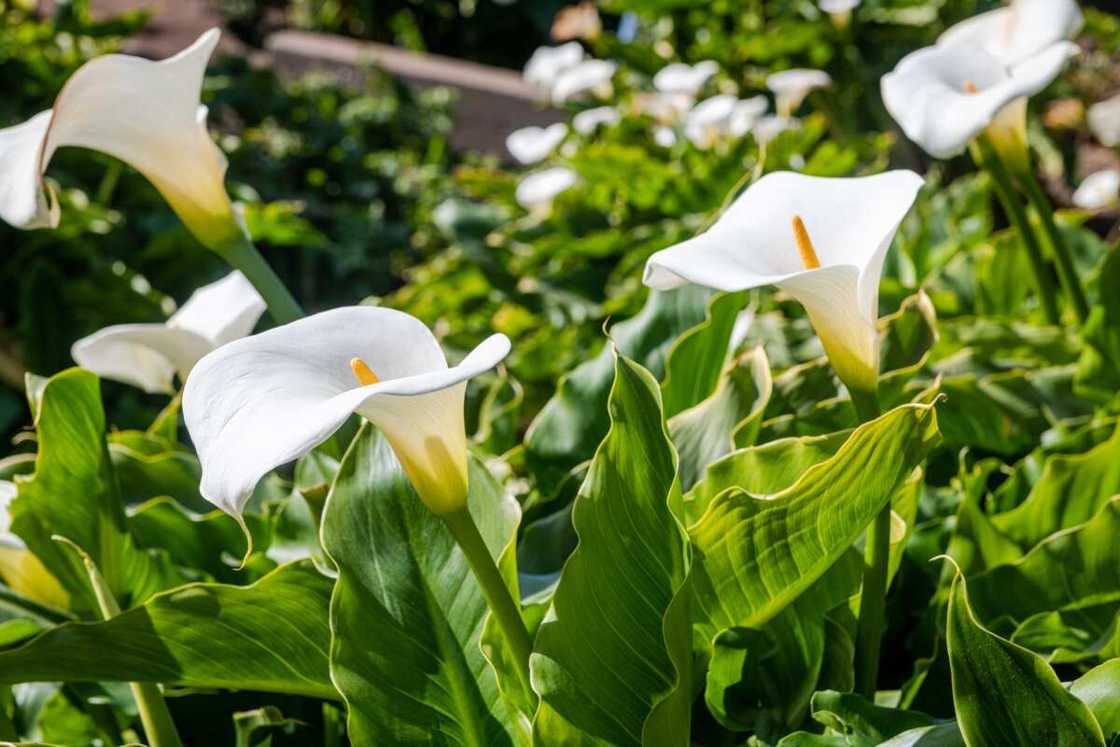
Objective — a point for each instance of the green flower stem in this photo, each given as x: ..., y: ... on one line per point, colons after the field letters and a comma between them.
x: 985, y: 157
x: 8, y: 731
x: 158, y: 725
x: 876, y: 562
x: 505, y: 609
x: 1066, y: 271
x: 282, y: 306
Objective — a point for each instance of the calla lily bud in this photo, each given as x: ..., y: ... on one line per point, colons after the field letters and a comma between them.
x: 149, y: 356
x: 266, y: 400
x: 821, y: 240
x: 145, y: 113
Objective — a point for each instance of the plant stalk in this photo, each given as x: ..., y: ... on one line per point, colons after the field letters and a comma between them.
x: 502, y: 605
x: 876, y: 565
x: 243, y: 256
x: 1067, y: 273
x: 1005, y: 193
x: 8, y: 731
x: 154, y: 715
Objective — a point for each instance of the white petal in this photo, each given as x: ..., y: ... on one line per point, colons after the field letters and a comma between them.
x: 532, y: 144
x: 1104, y: 121
x: 710, y: 120
x: 588, y: 120
x: 851, y: 223
x: 664, y: 107
x: 144, y: 355
x: 666, y: 137
x: 587, y: 76
x: 926, y: 93
x: 769, y: 127
x: 1100, y: 189
x: 1018, y: 31
x: 222, y: 311
x: 547, y: 63
x: 263, y: 401
x: 541, y: 187
x: 746, y: 114
x: 838, y: 6
x: 685, y: 79
x: 790, y: 87
x: 144, y: 113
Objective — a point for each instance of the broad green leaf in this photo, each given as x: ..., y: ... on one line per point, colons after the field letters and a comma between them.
x: 1070, y: 491
x: 696, y: 360
x: 255, y: 728
x: 1075, y: 572
x: 407, y: 614
x: 1005, y: 694
x: 730, y: 417
x: 272, y: 636
x: 571, y: 424
x: 763, y: 469
x: 1098, y: 370
x: 1099, y: 689
x: 756, y: 555
x: 74, y: 493
x: 150, y: 467
x: 611, y: 661
x: 860, y: 723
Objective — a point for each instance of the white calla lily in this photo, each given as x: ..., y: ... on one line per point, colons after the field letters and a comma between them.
x: 664, y: 136
x: 589, y: 120
x: 765, y: 129
x: 790, y: 87
x: 839, y: 11
x: 1099, y: 190
x: 685, y: 79
x: 149, y: 356
x: 1104, y: 121
x: 822, y: 240
x: 263, y: 401
x: 666, y: 108
x: 536, y: 191
x: 746, y: 115
x: 721, y: 117
x: 145, y: 113
x: 547, y: 63
x: 531, y: 145
x: 1019, y: 31
x: 944, y: 96
x: 589, y: 76
x: 20, y: 569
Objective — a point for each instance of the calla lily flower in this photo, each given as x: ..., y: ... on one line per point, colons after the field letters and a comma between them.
x: 589, y: 76
x: 266, y: 400
x: 1104, y: 121
x: 589, y: 120
x: 145, y: 113
x: 1099, y: 190
x: 537, y: 190
x: 944, y: 96
x: 20, y: 569
x: 685, y: 79
x: 720, y: 117
x: 822, y: 240
x: 765, y: 129
x: 1019, y: 31
x: 839, y: 11
x: 546, y: 63
x: 666, y: 108
x: 533, y: 144
x: 149, y: 356
x: 664, y: 136
x: 790, y: 87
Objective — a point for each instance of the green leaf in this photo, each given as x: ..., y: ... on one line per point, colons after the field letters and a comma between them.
x: 407, y: 613
x: 696, y: 359
x: 1099, y: 689
x: 756, y: 555
x: 861, y: 723
x: 1098, y: 370
x: 611, y: 661
x: 1005, y: 694
x: 74, y: 493
x: 571, y: 424
x: 272, y: 636
x: 149, y: 467
x: 255, y: 728
x: 730, y: 417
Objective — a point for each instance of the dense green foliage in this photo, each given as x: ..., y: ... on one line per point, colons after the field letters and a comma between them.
x: 673, y: 483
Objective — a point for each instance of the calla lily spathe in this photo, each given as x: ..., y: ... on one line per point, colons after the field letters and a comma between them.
x: 589, y: 120
x: 849, y: 223
x: 1019, y: 31
x: 721, y: 117
x: 946, y: 95
x: 1099, y: 190
x: 536, y: 191
x: 20, y: 569
x: 589, y: 76
x: 546, y: 63
x: 790, y: 87
x: 263, y: 401
x: 149, y: 356
x: 685, y: 79
x: 145, y: 113
x: 531, y: 145
x: 1104, y: 121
